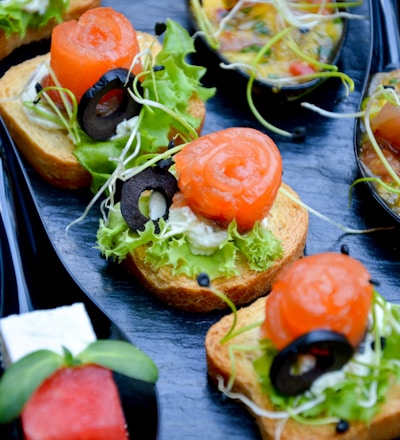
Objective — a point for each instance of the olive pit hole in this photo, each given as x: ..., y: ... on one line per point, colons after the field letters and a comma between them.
x: 148, y: 195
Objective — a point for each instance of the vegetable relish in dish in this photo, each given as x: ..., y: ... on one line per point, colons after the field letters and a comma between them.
x: 310, y: 34
x: 284, y: 49
x: 379, y: 139
x: 280, y: 42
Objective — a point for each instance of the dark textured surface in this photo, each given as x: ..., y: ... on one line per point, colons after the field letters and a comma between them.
x: 320, y: 169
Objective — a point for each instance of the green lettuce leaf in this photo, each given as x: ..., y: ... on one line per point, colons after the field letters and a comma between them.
x: 115, y: 240
x: 121, y: 357
x: 22, y: 378
x: 172, y: 86
x: 14, y: 19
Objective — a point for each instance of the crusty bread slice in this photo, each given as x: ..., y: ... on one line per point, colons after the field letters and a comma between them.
x: 50, y: 152
x: 384, y: 426
x: 287, y: 220
x: 75, y: 10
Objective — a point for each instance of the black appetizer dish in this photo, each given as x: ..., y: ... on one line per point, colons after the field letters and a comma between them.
x: 293, y: 46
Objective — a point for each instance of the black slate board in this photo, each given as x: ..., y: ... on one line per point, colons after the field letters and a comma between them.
x: 320, y: 169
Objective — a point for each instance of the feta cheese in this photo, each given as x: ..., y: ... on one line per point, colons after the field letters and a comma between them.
x: 66, y: 326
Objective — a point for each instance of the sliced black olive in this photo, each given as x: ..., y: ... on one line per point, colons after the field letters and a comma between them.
x: 328, y: 351
x: 203, y: 280
x: 101, y: 124
x: 375, y: 283
x: 382, y: 342
x: 171, y: 144
x: 131, y: 191
x: 160, y: 27
x: 164, y: 164
x: 344, y: 249
x: 299, y: 134
x: 158, y: 68
x: 342, y: 426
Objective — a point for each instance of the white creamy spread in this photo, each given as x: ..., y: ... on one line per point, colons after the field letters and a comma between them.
x: 66, y: 326
x: 33, y: 6
x: 29, y: 94
x: 203, y: 238
x: 157, y: 205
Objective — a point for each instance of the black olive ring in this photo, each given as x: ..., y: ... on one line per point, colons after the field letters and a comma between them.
x: 150, y: 179
x: 329, y: 349
x: 102, y: 127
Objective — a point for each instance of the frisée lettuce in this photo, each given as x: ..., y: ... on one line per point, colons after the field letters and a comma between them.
x: 172, y: 246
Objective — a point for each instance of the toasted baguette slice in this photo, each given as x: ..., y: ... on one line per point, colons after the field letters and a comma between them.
x: 75, y: 10
x: 385, y: 426
x: 287, y: 220
x: 50, y: 152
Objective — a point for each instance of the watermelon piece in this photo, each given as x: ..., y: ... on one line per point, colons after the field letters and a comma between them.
x: 75, y: 403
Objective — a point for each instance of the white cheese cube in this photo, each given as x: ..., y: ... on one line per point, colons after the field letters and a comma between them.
x: 66, y: 326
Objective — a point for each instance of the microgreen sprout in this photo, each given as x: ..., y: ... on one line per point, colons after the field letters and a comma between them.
x: 44, y: 106
x: 202, y: 281
x: 345, y: 229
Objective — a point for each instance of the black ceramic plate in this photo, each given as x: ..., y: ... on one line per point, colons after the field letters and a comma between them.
x: 139, y: 398
x: 385, y: 56
x: 365, y: 174
x: 320, y: 170
x: 283, y: 94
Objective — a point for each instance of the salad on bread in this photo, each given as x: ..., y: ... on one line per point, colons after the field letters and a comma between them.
x: 105, y: 97
x: 317, y: 358
x: 216, y: 204
x: 19, y: 15
x: 27, y: 21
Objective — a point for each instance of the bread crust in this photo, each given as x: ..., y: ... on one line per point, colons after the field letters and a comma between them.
x: 384, y: 426
x: 75, y: 10
x: 287, y: 220
x: 50, y: 152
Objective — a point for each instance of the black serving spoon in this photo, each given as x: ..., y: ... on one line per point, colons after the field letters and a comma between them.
x: 27, y: 257
x: 385, y: 57
x: 284, y: 94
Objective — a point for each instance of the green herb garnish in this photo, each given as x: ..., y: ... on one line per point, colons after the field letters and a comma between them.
x: 23, y: 377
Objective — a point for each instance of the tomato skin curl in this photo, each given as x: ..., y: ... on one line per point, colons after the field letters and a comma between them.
x: 327, y: 291
x: 82, y: 51
x: 230, y: 174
